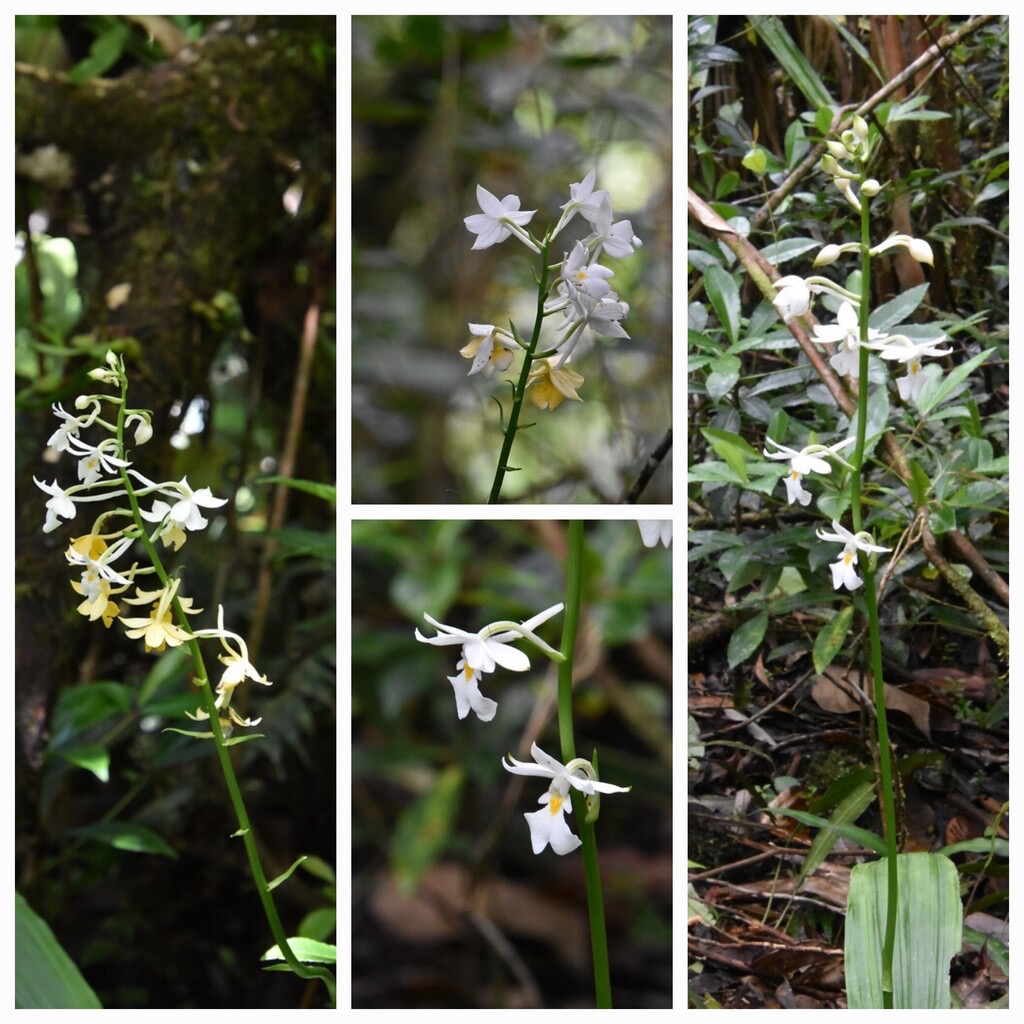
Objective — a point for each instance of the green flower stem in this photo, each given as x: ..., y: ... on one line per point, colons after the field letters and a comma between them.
x: 592, y: 874
x: 871, y: 606
x: 520, y: 390
x: 245, y: 829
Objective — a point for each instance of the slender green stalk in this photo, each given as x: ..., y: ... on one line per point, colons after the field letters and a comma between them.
x: 871, y: 606
x: 245, y: 829
x: 520, y: 390
x: 592, y: 874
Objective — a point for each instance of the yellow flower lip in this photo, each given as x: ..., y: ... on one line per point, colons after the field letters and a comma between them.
x: 550, y: 384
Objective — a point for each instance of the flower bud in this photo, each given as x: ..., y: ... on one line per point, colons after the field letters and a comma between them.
x: 838, y: 150
x: 143, y: 432
x: 829, y: 165
x: 829, y: 254
x: 82, y: 401
x: 850, y: 141
x: 921, y: 251
x: 871, y: 187
x: 860, y: 127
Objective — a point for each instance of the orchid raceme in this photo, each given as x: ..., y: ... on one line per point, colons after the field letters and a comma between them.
x: 579, y: 276
x: 810, y: 459
x: 578, y: 287
x: 548, y: 825
x: 844, y: 573
x: 92, y: 553
x: 100, y: 559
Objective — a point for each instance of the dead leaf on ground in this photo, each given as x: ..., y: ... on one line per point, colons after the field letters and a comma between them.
x: 836, y: 691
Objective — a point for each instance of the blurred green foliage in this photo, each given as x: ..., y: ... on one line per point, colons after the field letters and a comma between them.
x: 526, y: 105
x: 428, y: 792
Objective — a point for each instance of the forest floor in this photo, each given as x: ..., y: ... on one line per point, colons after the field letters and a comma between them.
x: 762, y: 936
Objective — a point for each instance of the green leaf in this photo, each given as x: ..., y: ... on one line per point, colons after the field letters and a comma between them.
x: 725, y: 372
x: 788, y: 249
x: 729, y: 182
x: 747, y: 639
x: 286, y: 874
x: 929, y: 925
x: 830, y: 638
x: 756, y: 160
x: 847, y: 811
x: 869, y: 840
x: 724, y: 294
x: 45, y: 977
x: 309, y: 951
x: 92, y: 757
x: 934, y: 393
x: 858, y: 48
x: 104, y: 53
x: 423, y: 831
x: 714, y: 472
x: 793, y: 62
x: 1000, y: 847
x: 732, y: 448
x: 990, y: 191
x: 126, y: 835
x: 327, y: 492
x: 319, y: 868
x: 80, y: 708
x: 896, y: 310
x: 233, y: 741
x: 298, y: 543
x: 319, y: 924
x: 168, y: 669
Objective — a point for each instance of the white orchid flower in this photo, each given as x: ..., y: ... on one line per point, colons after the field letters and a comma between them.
x: 548, y: 825
x: 500, y: 218
x: 654, y: 530
x: 845, y: 333
x: 899, y: 347
x: 485, y: 650
x: 844, y: 573
x: 809, y: 459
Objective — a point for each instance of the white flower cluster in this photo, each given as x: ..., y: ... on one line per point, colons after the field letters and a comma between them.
x: 483, y: 652
x: 581, y: 292
x: 105, y: 474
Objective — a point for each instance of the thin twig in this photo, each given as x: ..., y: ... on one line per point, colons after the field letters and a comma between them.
x: 656, y: 459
